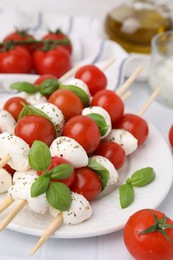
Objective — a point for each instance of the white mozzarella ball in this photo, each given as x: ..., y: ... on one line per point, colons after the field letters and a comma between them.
x: 78, y: 83
x: 113, y: 174
x: 7, y: 122
x: 80, y: 210
x: 70, y: 150
x: 124, y: 138
x: 5, y: 180
x: 17, y: 149
x: 54, y: 113
x: 101, y: 111
x: 34, y: 99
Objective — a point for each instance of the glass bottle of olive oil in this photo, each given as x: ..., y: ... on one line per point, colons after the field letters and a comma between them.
x: 134, y: 24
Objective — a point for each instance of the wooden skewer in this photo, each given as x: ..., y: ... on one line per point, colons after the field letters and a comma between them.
x: 5, y: 160
x: 12, y: 214
x: 126, y: 95
x: 108, y: 64
x: 54, y: 225
x: 149, y: 101
x: 129, y: 81
x: 69, y: 73
x: 5, y: 204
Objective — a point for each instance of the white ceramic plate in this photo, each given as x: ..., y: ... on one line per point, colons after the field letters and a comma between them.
x: 107, y: 213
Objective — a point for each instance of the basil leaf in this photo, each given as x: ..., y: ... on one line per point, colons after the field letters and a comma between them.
x: 40, y: 186
x: 48, y: 86
x: 39, y: 156
x: 59, y: 196
x: 24, y: 86
x: 126, y: 194
x: 100, y: 121
x: 62, y: 171
x: 30, y: 110
x: 143, y: 177
x: 79, y: 92
x: 100, y: 170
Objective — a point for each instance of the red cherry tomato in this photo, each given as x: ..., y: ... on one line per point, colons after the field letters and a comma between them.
x: 8, y: 168
x: 13, y: 106
x: 93, y: 77
x: 84, y: 130
x: 171, y: 136
x: 59, y: 35
x: 32, y: 127
x: 16, y: 60
x: 55, y: 162
x: 42, y: 78
x: 87, y: 183
x: 67, y: 102
x: 22, y: 35
x: 56, y: 61
x: 153, y: 245
x: 113, y: 152
x: 136, y: 125
x: 111, y: 102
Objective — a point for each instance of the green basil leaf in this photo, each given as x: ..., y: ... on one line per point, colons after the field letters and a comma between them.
x: 40, y: 186
x: 100, y: 170
x: 30, y: 110
x: 100, y: 121
x: 126, y: 195
x: 62, y: 171
x: 143, y: 177
x: 79, y: 92
x: 39, y: 156
x: 24, y: 86
x: 48, y: 86
x: 59, y: 196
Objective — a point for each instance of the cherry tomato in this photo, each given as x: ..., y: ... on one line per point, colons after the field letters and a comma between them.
x: 136, y: 125
x: 84, y: 130
x: 87, y: 183
x: 58, y: 35
x: 55, y: 162
x: 113, y: 152
x: 153, y: 245
x: 111, y: 102
x: 22, y: 35
x: 55, y: 62
x: 13, y: 106
x: 93, y: 77
x: 171, y: 136
x: 42, y: 78
x: 33, y: 127
x: 16, y: 60
x: 67, y: 102
x: 8, y: 168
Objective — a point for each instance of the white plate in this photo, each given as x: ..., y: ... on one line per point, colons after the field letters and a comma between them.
x: 107, y: 213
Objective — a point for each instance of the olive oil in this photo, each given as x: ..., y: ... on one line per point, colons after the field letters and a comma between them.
x: 134, y: 24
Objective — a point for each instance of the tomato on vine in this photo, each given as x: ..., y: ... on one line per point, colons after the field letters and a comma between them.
x: 148, y: 234
x: 59, y: 35
x: 15, y: 60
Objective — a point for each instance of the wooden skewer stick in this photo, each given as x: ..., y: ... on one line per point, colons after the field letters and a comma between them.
x: 149, y: 101
x: 108, y: 64
x: 5, y: 160
x: 12, y: 214
x: 129, y: 81
x: 5, y: 204
x: 126, y: 95
x: 54, y: 225
x: 69, y: 73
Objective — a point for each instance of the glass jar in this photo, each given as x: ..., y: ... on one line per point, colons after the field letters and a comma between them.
x: 133, y: 24
x: 161, y: 69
